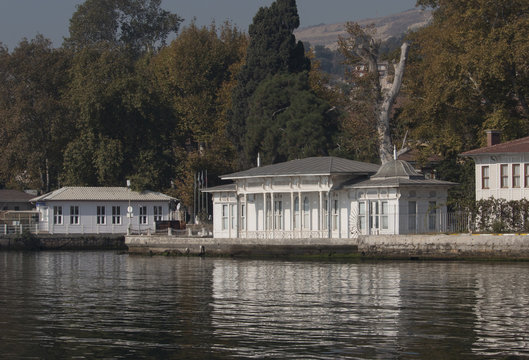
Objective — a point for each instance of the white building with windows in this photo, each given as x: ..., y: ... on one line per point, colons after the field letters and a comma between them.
x: 502, y: 169
x: 327, y: 197
x: 101, y: 210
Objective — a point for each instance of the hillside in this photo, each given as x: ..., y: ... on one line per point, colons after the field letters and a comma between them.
x: 387, y: 27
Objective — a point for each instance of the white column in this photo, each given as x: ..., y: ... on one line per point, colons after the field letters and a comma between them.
x: 300, y: 204
x: 291, y: 211
x: 264, y: 211
x: 272, y: 212
x: 320, y: 214
x: 246, y: 216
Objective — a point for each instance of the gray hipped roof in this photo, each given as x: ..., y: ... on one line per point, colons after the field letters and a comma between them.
x: 101, y: 194
x: 396, y: 173
x: 308, y: 166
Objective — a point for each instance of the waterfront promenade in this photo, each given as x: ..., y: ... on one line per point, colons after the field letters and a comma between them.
x: 438, y: 246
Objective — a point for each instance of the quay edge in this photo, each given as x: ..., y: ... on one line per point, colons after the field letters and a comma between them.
x: 32, y: 242
x: 416, y: 247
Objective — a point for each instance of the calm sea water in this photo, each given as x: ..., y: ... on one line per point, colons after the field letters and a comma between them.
x: 101, y: 305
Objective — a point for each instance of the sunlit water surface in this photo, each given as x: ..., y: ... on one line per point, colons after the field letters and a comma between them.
x: 108, y: 305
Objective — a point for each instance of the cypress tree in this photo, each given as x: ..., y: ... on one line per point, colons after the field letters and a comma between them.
x: 272, y: 50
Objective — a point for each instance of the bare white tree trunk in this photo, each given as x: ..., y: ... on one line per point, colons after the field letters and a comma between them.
x: 384, y: 105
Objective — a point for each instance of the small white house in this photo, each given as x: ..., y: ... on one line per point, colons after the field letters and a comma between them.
x: 327, y: 197
x: 101, y: 210
x: 502, y: 169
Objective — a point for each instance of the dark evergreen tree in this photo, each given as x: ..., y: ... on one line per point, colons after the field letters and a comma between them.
x: 287, y: 120
x: 273, y: 49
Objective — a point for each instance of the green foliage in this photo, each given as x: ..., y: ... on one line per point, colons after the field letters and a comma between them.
x: 138, y: 25
x: 469, y: 71
x: 288, y: 121
x: 272, y: 50
x: 499, y: 215
x: 34, y: 127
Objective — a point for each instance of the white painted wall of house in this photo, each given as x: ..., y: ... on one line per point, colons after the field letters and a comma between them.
x: 88, y: 217
x: 495, y: 190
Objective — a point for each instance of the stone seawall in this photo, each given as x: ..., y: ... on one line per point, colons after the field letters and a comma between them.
x: 63, y: 242
x: 463, y: 246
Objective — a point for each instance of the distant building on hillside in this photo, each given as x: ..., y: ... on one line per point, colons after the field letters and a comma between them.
x: 502, y: 169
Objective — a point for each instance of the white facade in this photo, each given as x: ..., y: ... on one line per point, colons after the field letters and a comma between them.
x: 61, y: 214
x: 502, y: 176
x: 326, y: 206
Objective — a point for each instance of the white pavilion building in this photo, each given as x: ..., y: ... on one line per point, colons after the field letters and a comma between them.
x: 328, y: 197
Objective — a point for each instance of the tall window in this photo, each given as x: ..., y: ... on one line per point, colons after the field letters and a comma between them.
x: 225, y: 217
x: 432, y: 215
x: 335, y: 214
x: 526, y: 174
x: 74, y: 215
x: 57, y: 215
x: 157, y: 212
x: 296, y: 213
x: 243, y: 217
x: 232, y: 216
x: 412, y: 215
x: 278, y: 215
x: 484, y: 177
x: 375, y: 212
x: 101, y: 218
x: 515, y: 175
x: 362, y: 216
x: 269, y: 213
x: 325, y: 213
x: 306, y: 213
x: 143, y: 215
x: 116, y: 215
x: 504, y: 175
x: 384, y: 211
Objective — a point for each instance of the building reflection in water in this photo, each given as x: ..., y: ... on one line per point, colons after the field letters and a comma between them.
x: 297, y: 308
x: 502, y: 310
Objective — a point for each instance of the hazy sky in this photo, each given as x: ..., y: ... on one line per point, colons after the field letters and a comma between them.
x: 26, y: 18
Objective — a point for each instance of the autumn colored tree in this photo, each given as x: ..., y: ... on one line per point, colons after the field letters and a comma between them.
x: 469, y: 71
x: 361, y: 51
x: 195, y: 75
x: 34, y: 124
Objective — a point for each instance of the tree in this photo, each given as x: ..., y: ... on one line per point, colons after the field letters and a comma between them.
x: 33, y: 122
x: 272, y: 49
x: 195, y: 75
x: 288, y: 121
x: 140, y: 25
x: 469, y: 71
x: 361, y: 49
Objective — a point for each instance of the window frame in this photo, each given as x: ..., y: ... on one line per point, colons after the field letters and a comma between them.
x: 225, y: 217
x: 504, y: 176
x: 57, y: 215
x: 74, y: 215
x: 157, y: 213
x: 143, y: 218
x: 101, y: 215
x: 412, y: 215
x: 485, y: 178
x: 516, y: 177
x: 116, y: 215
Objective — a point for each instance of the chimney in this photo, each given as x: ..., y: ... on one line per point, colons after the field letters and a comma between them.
x: 493, y: 137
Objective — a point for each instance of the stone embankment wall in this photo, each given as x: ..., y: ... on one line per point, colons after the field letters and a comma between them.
x: 463, y: 246
x: 62, y: 242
